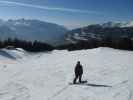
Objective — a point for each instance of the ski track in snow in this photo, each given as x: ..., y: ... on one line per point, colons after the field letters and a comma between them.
x: 46, y: 76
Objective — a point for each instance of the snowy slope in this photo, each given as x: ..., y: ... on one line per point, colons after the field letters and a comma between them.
x: 45, y: 76
x: 14, y: 54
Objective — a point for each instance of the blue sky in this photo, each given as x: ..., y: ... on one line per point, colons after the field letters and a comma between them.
x: 70, y: 13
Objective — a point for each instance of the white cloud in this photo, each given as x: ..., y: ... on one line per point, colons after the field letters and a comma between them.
x: 49, y: 8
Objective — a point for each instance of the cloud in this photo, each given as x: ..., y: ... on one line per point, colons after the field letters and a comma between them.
x: 49, y: 8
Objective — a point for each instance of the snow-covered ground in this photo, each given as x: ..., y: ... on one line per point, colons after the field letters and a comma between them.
x: 46, y: 76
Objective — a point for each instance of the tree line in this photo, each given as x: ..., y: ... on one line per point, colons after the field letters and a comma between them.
x: 33, y: 46
x: 124, y: 43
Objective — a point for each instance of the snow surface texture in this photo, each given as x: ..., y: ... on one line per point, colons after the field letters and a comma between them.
x: 46, y: 76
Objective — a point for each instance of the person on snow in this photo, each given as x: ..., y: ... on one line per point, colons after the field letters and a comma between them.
x: 78, y: 72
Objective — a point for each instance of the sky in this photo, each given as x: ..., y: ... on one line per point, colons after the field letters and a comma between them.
x: 70, y: 13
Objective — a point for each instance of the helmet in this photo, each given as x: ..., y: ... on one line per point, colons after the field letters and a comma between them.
x: 78, y: 62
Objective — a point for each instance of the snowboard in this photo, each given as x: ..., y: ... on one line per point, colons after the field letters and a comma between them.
x: 78, y: 83
x: 85, y: 83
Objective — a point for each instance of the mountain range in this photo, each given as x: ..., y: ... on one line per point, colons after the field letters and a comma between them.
x: 101, y: 31
x: 31, y: 30
x: 118, y: 24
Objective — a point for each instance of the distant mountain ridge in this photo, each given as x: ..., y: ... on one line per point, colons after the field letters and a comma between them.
x: 118, y: 24
x: 101, y: 31
x: 30, y: 29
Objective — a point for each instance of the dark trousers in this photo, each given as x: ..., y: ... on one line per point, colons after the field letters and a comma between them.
x: 77, y: 77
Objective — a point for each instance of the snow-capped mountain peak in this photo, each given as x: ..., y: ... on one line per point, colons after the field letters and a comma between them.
x: 101, y: 31
x: 30, y: 29
x: 118, y: 24
x: 130, y: 24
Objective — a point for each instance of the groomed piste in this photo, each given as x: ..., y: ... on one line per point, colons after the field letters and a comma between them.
x: 46, y: 75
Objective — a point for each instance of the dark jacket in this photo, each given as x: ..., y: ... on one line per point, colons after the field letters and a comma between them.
x: 78, y: 69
